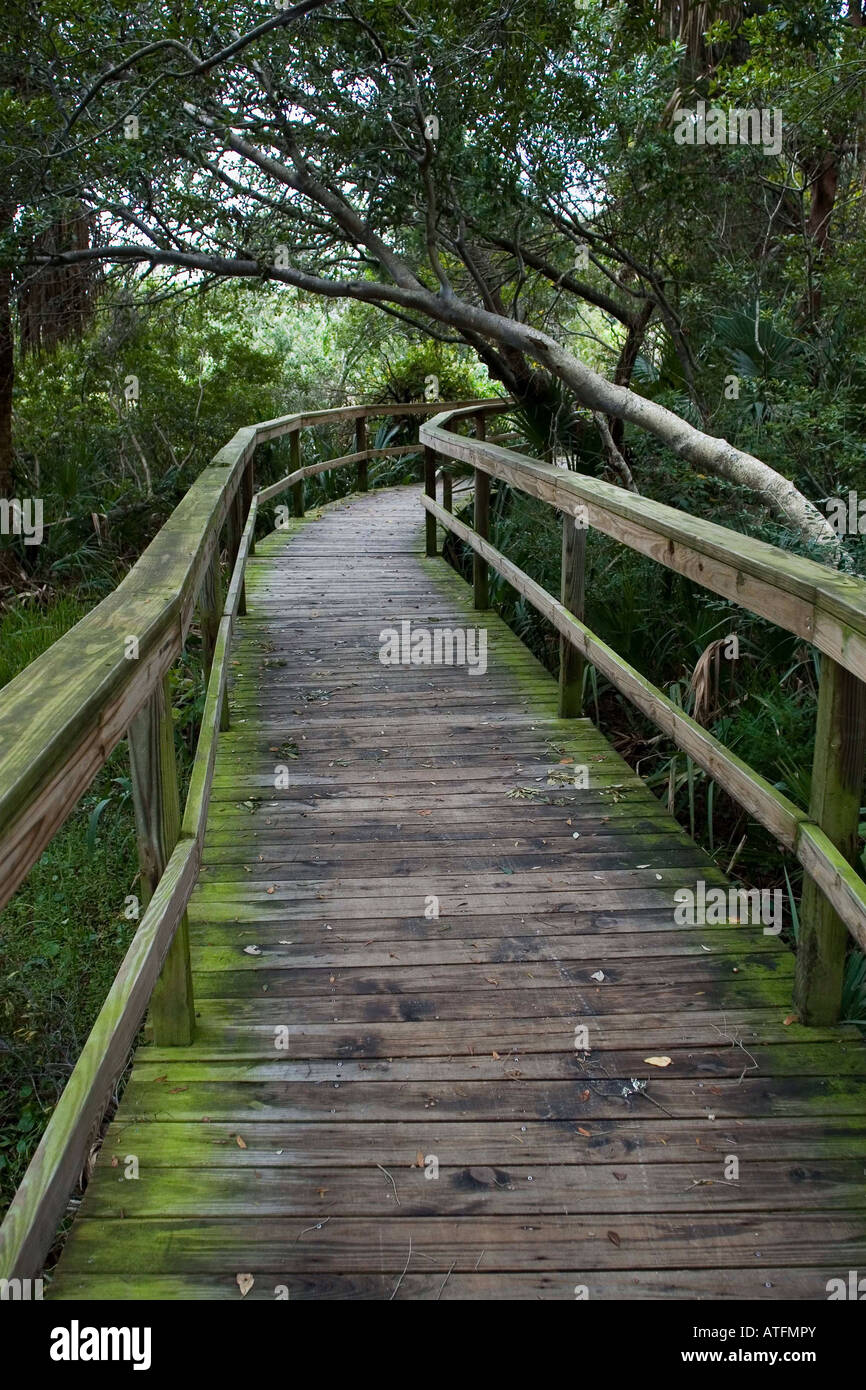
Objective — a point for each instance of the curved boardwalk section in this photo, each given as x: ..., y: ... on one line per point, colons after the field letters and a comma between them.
x: 451, y: 1040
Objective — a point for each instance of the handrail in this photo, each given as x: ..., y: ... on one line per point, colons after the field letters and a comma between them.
x: 61, y: 718
x: 817, y: 603
x: 822, y: 605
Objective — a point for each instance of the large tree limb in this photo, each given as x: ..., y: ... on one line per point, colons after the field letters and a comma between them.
x: 706, y: 452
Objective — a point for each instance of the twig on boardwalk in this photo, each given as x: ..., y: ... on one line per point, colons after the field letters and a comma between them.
x: 445, y: 1280
x: 405, y: 1267
x: 735, y: 1042
x: 391, y: 1180
x: 318, y: 1226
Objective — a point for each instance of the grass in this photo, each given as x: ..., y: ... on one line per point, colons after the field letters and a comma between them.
x: 27, y: 630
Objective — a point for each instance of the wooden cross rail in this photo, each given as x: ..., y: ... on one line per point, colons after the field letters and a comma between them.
x: 826, y: 608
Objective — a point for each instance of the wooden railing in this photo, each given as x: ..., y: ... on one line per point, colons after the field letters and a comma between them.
x: 60, y: 719
x: 826, y: 608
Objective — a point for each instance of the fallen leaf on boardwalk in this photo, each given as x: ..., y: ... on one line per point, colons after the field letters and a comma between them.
x: 496, y: 1057
x: 621, y: 1177
x: 160, y: 1078
x: 115, y: 1161
x: 658, y: 1061
x: 176, y: 1090
x: 252, y: 950
x: 584, y: 1095
x: 597, y: 975
x: 791, y: 1018
x: 425, y: 813
x: 419, y: 1160
x: 322, y: 1191
x: 490, y: 980
x: 613, y: 1238
x: 587, y: 1133
x: 270, y: 890
x: 244, y: 1283
x: 240, y: 1142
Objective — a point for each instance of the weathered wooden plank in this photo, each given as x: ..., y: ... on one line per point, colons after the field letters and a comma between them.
x: 706, y: 1063
x: 581, y: 1102
x: 752, y: 1281
x: 627, y: 1142
x: 278, y: 1245
x: 478, y: 1190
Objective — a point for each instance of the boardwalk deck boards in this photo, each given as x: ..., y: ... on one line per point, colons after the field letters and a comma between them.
x: 349, y: 1043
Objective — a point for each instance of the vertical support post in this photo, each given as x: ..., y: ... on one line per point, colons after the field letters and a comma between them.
x: 834, y: 805
x: 430, y: 490
x: 361, y: 447
x: 236, y: 527
x: 156, y: 801
x: 481, y: 523
x: 210, y: 608
x: 571, y: 594
x: 447, y: 493
x: 247, y: 491
x: 294, y: 465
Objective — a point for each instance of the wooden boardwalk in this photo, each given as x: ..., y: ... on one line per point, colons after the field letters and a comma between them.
x: 380, y: 1102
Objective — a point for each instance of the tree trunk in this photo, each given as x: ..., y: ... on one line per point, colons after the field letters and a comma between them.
x: 7, y: 378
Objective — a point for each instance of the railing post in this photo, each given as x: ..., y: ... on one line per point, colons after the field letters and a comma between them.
x: 447, y: 495
x: 156, y: 802
x: 481, y: 522
x: 295, y: 463
x: 361, y: 447
x: 248, y: 491
x: 834, y: 805
x: 430, y: 490
x: 235, y: 531
x: 571, y: 595
x: 210, y: 607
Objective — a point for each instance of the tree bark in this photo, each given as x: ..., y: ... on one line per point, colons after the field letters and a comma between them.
x: 7, y: 380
